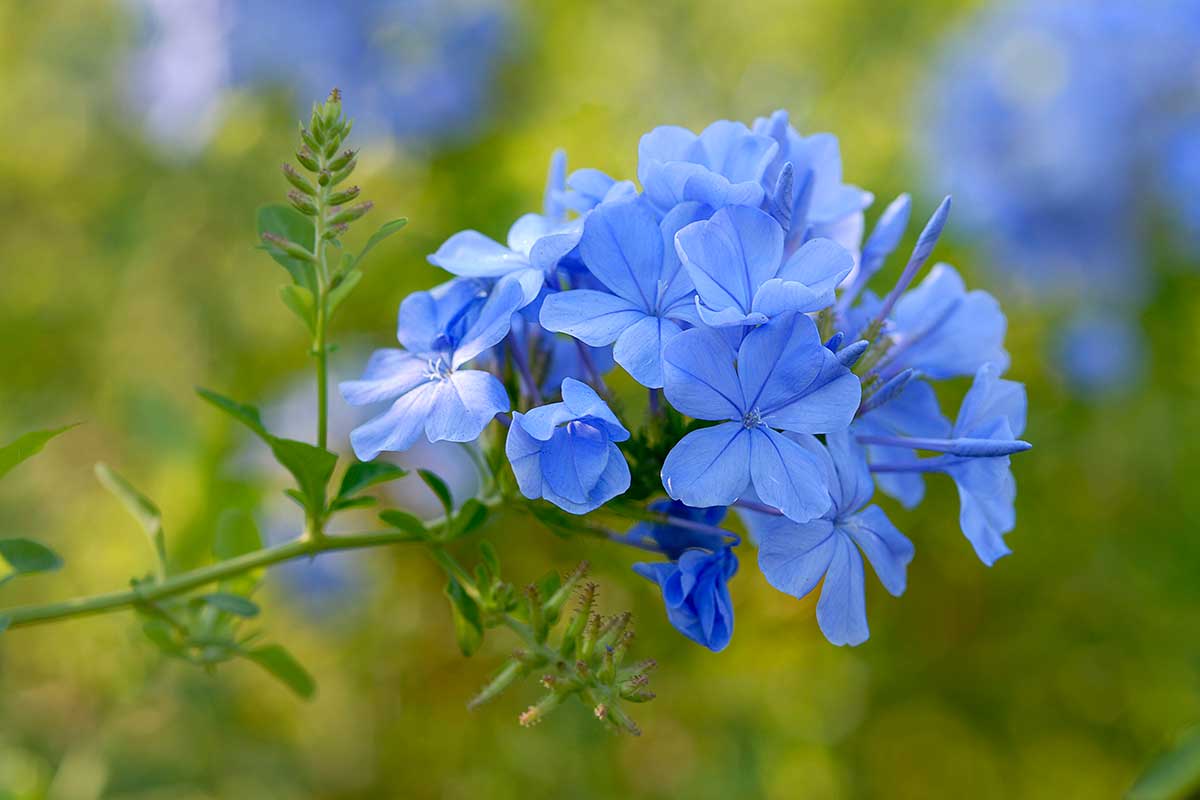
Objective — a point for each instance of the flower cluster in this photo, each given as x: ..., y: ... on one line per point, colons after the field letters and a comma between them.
x: 734, y: 284
x: 1069, y: 130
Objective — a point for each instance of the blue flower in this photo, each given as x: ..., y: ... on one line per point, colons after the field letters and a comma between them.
x: 736, y: 261
x: 993, y: 409
x: 723, y: 165
x: 673, y: 540
x: 566, y: 452
x: 441, y: 331
x: 696, y: 592
x: 783, y: 379
x: 819, y: 204
x: 623, y: 247
x: 912, y: 413
x: 794, y: 557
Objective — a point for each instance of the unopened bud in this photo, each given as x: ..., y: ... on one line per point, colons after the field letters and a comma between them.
x: 299, y: 181
x: 342, y: 160
x: 553, y: 606
x: 303, y: 203
x: 307, y: 159
x: 613, y: 628
x: 309, y: 140
x: 344, y: 196
x: 289, y: 247
x: 343, y: 173
x: 350, y: 214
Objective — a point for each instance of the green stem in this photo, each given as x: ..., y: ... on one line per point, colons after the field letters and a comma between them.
x: 193, y: 579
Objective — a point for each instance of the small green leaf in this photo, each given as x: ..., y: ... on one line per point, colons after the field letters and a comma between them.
x: 310, y: 465
x: 25, y: 557
x: 364, y: 474
x: 245, y: 414
x: 339, y: 293
x: 289, y: 223
x: 385, y: 230
x: 300, y: 301
x: 472, y: 515
x: 231, y: 603
x: 276, y: 660
x: 352, y: 502
x: 295, y: 497
x: 468, y: 622
x: 1174, y: 775
x: 402, y: 520
x: 26, y: 446
x: 139, y: 507
x: 439, y: 488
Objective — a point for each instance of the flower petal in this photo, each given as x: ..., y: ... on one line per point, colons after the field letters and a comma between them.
x: 473, y: 255
x: 398, y: 427
x: 729, y: 256
x: 596, y: 318
x: 389, y: 373
x: 709, y: 467
x: 842, y: 609
x: 786, y: 476
x: 640, y: 349
x: 622, y: 246
x: 699, y: 378
x: 795, y: 556
x: 888, y: 550
x: 463, y: 405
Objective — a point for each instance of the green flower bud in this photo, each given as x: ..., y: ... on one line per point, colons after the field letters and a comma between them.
x: 307, y: 160
x: 299, y: 181
x: 344, y: 196
x: 303, y: 203
x: 343, y: 173
x: 343, y: 159
x: 309, y: 140
x: 350, y: 214
x: 287, y: 246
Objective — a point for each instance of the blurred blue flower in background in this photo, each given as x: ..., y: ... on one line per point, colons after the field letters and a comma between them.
x: 1048, y: 121
x: 418, y: 69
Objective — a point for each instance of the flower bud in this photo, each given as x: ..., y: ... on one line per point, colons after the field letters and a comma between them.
x: 298, y: 180
x: 342, y: 160
x: 303, y: 203
x: 289, y: 247
x: 309, y: 140
x: 350, y: 214
x: 344, y: 196
x: 307, y: 159
x: 343, y: 173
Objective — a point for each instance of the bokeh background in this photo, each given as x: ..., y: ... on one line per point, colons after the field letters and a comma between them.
x: 137, y: 140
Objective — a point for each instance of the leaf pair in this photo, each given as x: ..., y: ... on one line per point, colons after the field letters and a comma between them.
x: 24, y: 556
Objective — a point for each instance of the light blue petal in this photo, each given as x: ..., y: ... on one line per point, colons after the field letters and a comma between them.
x: 582, y: 401
x: 729, y: 317
x: 699, y: 378
x: 795, y: 556
x: 675, y: 285
x: 667, y: 143
x: 944, y: 331
x: 777, y: 296
x: 914, y: 412
x: 613, y: 482
x: 735, y: 152
x: 622, y: 246
x: 540, y: 422
x: 709, y: 467
x: 596, y: 318
x: 397, y: 428
x: 986, y: 492
x: 463, y: 405
x: 821, y: 265
x: 525, y: 232
x: 888, y: 550
x: 389, y: 373
x: 493, y: 323
x: 525, y: 455
x: 425, y: 317
x: 991, y: 397
x: 552, y: 248
x: 473, y: 255
x: 786, y: 476
x: 640, y: 349
x: 729, y: 256
x: 842, y: 609
x: 574, y: 459
x: 854, y: 484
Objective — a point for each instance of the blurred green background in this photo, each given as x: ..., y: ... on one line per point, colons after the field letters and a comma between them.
x: 128, y: 276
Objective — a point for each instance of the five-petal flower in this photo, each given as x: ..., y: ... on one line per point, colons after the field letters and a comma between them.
x: 783, y: 379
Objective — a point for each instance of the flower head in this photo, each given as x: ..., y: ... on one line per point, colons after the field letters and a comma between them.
x: 566, y: 452
x: 780, y: 378
x: 696, y: 592
x: 794, y: 557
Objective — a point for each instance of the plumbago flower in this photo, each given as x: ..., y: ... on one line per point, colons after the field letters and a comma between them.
x: 735, y: 286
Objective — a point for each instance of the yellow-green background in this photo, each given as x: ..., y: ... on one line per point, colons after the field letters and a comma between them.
x: 128, y: 276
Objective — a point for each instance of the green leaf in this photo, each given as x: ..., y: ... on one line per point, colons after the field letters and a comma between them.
x: 139, y: 507
x: 25, y: 557
x: 472, y: 515
x: 490, y: 557
x: 365, y: 474
x: 439, y: 488
x: 310, y: 465
x: 1174, y: 775
x: 385, y: 230
x: 352, y: 502
x: 300, y: 301
x: 26, y: 446
x: 339, y: 293
x: 289, y: 223
x: 402, y: 520
x: 231, y: 603
x: 161, y: 633
x: 468, y: 622
x: 276, y: 660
